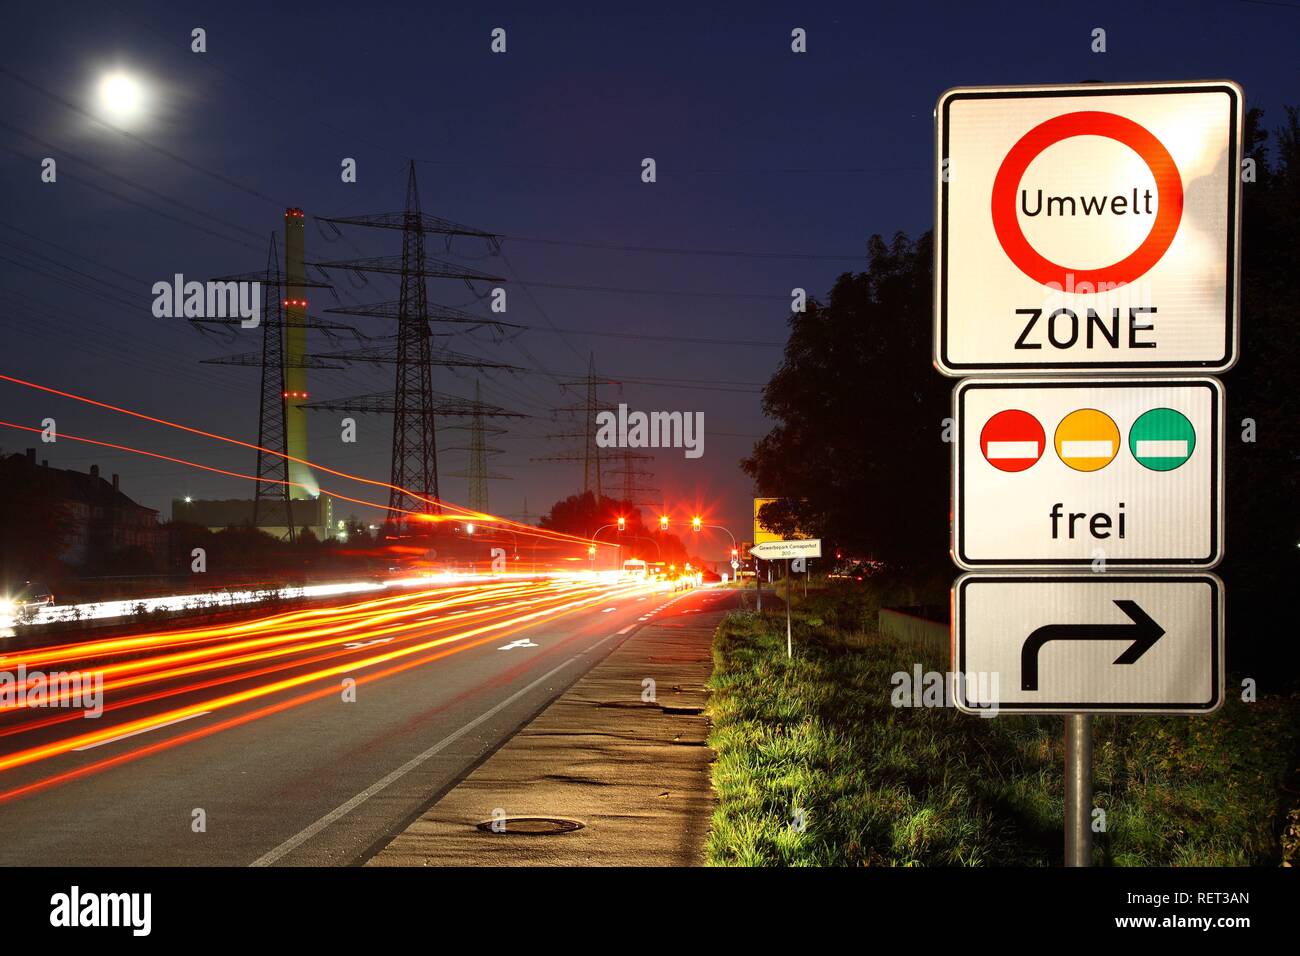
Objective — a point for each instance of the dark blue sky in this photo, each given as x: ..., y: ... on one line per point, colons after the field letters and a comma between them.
x: 759, y: 152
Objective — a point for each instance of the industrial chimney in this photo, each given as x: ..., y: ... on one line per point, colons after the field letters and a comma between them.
x: 295, y: 352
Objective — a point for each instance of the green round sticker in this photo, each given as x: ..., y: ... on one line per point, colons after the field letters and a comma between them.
x: 1162, y: 439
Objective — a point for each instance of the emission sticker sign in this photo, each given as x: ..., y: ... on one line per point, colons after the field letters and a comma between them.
x: 1087, y: 472
x: 1088, y: 227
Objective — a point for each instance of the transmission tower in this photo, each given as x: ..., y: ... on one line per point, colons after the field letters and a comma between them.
x: 414, y: 470
x: 591, y: 454
x: 479, y: 452
x: 629, y: 465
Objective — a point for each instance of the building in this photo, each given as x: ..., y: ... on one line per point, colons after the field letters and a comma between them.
x: 102, y: 520
x: 315, y: 514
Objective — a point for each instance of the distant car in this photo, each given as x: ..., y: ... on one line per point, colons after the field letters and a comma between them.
x: 31, y: 594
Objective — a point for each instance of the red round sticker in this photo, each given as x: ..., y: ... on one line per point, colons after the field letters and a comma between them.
x: 1012, y: 440
x: 1169, y: 186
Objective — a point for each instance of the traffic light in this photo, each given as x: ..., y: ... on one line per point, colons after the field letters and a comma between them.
x: 695, y: 523
x: 622, y: 524
x: 663, y: 522
x: 735, y: 553
x: 591, y: 550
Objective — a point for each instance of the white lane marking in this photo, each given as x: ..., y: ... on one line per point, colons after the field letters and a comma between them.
x: 143, y: 730
x: 608, y: 609
x: 640, y: 599
x: 377, y: 640
x: 626, y: 629
x: 343, y: 809
x: 522, y: 642
x: 644, y: 617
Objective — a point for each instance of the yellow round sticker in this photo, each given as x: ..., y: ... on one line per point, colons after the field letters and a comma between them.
x: 1087, y: 440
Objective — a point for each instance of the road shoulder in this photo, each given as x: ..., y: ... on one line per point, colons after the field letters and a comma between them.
x: 634, y: 771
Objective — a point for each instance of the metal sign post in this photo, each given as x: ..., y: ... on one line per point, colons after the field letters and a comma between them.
x: 789, y: 639
x: 1078, y: 790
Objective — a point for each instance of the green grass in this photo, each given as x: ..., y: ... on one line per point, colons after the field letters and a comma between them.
x: 881, y: 785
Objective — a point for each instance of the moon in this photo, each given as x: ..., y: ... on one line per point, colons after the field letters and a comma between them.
x: 121, y: 97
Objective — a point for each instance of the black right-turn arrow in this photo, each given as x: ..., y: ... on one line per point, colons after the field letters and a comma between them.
x: 1143, y: 632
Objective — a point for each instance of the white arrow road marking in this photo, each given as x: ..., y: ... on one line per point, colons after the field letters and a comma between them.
x: 143, y: 730
x: 377, y: 640
x: 522, y: 642
x: 608, y: 609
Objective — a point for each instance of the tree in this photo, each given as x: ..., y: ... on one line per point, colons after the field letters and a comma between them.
x: 857, y: 454
x: 1263, y: 481
x: 582, y: 516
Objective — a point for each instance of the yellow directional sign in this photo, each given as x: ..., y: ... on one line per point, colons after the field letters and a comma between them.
x: 761, y: 531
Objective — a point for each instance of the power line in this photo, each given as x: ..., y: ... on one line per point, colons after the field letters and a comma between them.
x: 680, y: 251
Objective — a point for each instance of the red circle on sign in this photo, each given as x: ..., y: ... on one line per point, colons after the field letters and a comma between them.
x: 1169, y: 187
x: 1007, y: 437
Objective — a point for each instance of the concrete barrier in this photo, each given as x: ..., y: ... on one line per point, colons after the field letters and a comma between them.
x: 918, y: 625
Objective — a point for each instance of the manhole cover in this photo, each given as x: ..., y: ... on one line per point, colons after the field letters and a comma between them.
x: 530, y: 826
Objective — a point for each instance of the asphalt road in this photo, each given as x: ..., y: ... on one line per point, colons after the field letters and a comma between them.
x: 298, y: 775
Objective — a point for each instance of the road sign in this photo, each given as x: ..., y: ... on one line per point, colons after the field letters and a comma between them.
x: 781, y: 550
x: 1088, y: 227
x: 761, y: 531
x: 1132, y: 473
x: 1088, y: 643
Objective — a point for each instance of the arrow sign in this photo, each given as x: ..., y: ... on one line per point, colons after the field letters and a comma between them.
x: 781, y: 550
x: 1143, y: 632
x: 1167, y: 627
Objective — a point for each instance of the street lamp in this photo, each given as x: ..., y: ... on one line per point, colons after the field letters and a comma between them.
x: 621, y: 524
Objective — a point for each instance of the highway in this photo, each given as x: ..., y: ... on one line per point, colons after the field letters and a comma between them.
x: 303, y: 738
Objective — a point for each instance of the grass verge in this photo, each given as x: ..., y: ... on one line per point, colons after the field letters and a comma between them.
x: 815, y: 766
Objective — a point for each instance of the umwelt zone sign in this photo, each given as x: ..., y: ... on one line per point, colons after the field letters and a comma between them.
x: 1088, y: 227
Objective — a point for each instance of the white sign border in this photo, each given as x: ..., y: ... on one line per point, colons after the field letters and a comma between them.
x: 1217, y: 644
x: 1232, y: 319
x: 1217, y: 426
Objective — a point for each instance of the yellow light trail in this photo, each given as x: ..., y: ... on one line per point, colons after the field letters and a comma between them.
x: 495, y: 629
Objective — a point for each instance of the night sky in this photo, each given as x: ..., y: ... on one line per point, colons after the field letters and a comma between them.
x: 786, y: 163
